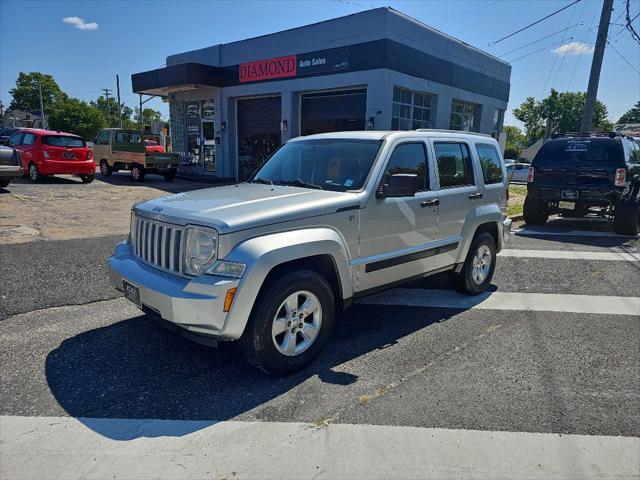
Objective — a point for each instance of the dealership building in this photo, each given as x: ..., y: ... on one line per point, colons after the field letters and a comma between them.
x: 233, y: 104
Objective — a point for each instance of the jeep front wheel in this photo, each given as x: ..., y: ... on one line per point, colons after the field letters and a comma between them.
x: 290, y: 323
x: 477, y: 270
x: 535, y: 212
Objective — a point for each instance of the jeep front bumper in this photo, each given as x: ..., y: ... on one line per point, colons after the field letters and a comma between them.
x: 194, y: 304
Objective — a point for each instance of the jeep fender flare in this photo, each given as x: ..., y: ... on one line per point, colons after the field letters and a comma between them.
x: 262, y: 254
x: 476, y: 217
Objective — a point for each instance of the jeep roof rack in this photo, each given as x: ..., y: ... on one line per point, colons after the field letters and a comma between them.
x: 586, y: 134
x: 438, y: 130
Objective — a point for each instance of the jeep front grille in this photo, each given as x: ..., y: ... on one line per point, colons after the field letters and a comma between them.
x: 157, y: 243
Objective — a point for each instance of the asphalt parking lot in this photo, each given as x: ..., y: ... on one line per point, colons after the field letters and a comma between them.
x: 550, y: 355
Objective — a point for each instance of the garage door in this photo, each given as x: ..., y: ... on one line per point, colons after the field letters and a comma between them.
x: 258, y: 132
x: 333, y: 111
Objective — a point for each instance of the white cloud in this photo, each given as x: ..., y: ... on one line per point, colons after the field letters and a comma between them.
x: 573, y: 48
x: 80, y: 24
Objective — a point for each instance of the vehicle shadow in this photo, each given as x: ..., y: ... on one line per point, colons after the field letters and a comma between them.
x: 135, y: 369
x: 49, y: 180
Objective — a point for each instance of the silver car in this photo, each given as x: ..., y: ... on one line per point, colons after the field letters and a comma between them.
x: 328, y: 219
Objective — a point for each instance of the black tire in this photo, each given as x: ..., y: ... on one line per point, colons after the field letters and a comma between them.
x: 627, y: 219
x: 5, y: 182
x: 137, y: 172
x: 535, y: 212
x: 257, y: 343
x: 87, y: 178
x: 170, y: 176
x: 34, y: 174
x: 105, y: 169
x: 464, y: 281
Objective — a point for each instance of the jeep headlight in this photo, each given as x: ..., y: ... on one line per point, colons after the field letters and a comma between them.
x: 200, y: 249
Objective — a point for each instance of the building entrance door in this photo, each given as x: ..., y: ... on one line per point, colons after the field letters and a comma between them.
x: 258, y: 132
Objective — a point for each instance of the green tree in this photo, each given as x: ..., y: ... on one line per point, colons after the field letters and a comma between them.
x: 79, y: 117
x: 530, y: 114
x: 563, y: 109
x: 149, y: 114
x: 516, y: 142
x: 25, y: 95
x: 632, y: 115
x: 110, y: 110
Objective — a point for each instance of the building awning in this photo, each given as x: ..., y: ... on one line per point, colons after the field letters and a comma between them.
x: 178, y: 78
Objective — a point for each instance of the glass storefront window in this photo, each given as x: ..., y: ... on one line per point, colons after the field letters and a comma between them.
x: 465, y: 116
x: 412, y: 110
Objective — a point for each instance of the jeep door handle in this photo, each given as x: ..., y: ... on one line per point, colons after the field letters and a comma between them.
x: 475, y: 196
x: 430, y: 203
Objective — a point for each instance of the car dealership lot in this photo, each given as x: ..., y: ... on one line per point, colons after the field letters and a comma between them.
x: 539, y: 378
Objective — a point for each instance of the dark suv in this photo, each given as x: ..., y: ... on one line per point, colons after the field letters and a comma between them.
x: 579, y: 174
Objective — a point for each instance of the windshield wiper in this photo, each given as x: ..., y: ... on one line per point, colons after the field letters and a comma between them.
x: 300, y: 183
x: 265, y: 181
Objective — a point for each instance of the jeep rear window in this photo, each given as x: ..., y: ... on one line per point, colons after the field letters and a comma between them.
x: 329, y: 164
x: 594, y: 152
x: 63, y: 141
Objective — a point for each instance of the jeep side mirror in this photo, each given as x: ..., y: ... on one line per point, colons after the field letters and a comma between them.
x: 400, y: 185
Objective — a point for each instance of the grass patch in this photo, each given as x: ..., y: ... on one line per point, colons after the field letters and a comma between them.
x: 514, y: 209
x: 518, y: 190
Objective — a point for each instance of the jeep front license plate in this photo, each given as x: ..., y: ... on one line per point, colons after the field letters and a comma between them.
x: 567, y: 205
x: 132, y: 293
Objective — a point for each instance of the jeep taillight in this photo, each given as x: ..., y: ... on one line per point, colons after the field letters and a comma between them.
x: 530, y: 175
x: 621, y: 177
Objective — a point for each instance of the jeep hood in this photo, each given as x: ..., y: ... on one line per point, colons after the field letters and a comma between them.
x: 246, y: 205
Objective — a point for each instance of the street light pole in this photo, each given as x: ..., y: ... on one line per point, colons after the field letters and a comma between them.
x: 596, y: 65
x: 44, y: 118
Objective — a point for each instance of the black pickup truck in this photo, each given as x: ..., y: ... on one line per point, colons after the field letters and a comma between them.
x: 583, y: 174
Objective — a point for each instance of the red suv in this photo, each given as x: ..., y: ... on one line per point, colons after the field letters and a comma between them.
x: 45, y: 152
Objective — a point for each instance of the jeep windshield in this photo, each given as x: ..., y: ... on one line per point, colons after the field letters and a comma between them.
x: 327, y: 164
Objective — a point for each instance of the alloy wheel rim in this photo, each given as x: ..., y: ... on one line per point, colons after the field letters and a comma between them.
x: 135, y: 171
x: 33, y: 172
x: 103, y: 168
x: 296, y: 324
x: 481, y: 264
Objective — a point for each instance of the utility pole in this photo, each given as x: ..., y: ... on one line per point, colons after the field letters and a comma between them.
x: 141, y: 115
x: 107, y: 92
x: 596, y: 65
x: 119, y: 104
x: 44, y: 118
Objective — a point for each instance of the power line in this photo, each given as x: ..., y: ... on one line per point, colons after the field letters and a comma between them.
x: 634, y: 34
x: 536, y: 51
x: 555, y: 58
x: 555, y: 78
x: 623, y: 57
x: 586, y: 39
x: 491, y: 44
x: 536, y: 41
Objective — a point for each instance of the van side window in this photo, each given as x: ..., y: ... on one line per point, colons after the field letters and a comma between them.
x: 122, y: 137
x: 103, y: 138
x: 409, y: 158
x: 454, y: 164
x: 490, y: 163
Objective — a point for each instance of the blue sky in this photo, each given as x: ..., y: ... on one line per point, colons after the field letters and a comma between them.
x: 101, y: 38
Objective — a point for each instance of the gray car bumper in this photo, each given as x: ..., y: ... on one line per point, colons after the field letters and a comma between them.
x: 194, y: 304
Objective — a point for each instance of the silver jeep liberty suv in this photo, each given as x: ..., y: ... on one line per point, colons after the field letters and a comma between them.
x: 327, y: 219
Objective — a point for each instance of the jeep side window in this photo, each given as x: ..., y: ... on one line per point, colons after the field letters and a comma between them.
x: 409, y: 158
x: 454, y: 164
x: 490, y: 163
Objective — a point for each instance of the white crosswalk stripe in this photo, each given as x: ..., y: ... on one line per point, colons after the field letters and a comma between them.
x: 537, y: 302
x: 571, y: 255
x: 65, y: 447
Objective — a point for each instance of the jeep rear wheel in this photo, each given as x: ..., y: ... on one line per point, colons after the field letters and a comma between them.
x: 477, y: 270
x: 290, y: 323
x: 535, y: 212
x: 627, y: 219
